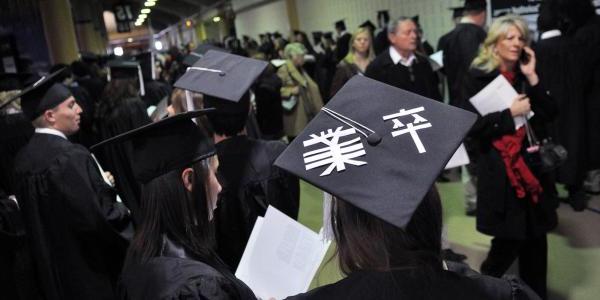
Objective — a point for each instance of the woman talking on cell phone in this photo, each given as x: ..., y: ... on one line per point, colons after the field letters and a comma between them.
x: 515, y: 202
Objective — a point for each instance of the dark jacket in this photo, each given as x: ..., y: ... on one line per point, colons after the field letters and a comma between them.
x: 460, y: 47
x: 499, y: 212
x: 71, y: 220
x: 177, y: 274
x: 418, y: 78
x: 414, y: 284
x: 563, y: 73
x: 343, y: 73
x: 250, y: 183
x: 342, y: 46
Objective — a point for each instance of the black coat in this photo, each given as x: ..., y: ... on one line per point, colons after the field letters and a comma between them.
x: 562, y: 73
x: 71, y: 218
x: 116, y: 158
x: 460, y: 47
x: 250, y: 183
x: 381, y: 41
x: 269, y: 112
x: 423, y: 81
x: 177, y: 274
x: 406, y: 284
x: 499, y: 212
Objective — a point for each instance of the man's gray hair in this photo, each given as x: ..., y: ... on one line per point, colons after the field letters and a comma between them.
x: 391, y: 26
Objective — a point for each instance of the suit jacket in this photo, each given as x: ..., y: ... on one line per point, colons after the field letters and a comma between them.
x: 418, y: 78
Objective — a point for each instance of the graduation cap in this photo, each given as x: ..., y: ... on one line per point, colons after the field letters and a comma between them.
x: 194, y: 56
x: 341, y: 25
x: 166, y: 145
x: 45, y: 93
x: 383, y: 16
x: 415, y: 19
x: 328, y: 35
x: 378, y: 147
x: 147, y: 63
x: 125, y: 69
x: 221, y: 75
x: 471, y: 5
x: 457, y: 11
x: 368, y: 24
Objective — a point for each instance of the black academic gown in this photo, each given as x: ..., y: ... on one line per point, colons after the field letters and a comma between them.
x: 460, y: 48
x: 155, y: 91
x: 269, y: 112
x: 381, y: 42
x: 85, y: 135
x: 250, y: 183
x: 561, y: 72
x: 15, y: 131
x: 411, y: 284
x: 117, y: 158
x: 71, y: 219
x: 177, y: 274
x: 342, y: 46
x: 419, y: 78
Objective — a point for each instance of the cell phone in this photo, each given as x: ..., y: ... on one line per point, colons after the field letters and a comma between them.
x: 524, y: 58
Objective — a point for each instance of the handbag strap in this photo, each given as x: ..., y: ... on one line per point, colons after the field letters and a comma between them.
x: 530, y: 134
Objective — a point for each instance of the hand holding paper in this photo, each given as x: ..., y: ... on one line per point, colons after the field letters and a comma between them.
x: 498, y: 96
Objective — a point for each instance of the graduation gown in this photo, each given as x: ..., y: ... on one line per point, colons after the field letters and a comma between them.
x: 116, y: 158
x: 71, y: 220
x: 250, y: 183
x: 176, y: 274
x: 414, y: 284
x: 381, y: 42
x: 423, y: 81
x: 269, y: 113
x: 155, y: 92
x: 342, y: 46
x: 460, y: 47
x: 15, y: 131
x: 561, y: 72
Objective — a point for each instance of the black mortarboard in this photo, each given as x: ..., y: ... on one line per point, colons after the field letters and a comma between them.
x: 328, y: 35
x: 147, y: 63
x: 368, y: 24
x: 457, y: 12
x: 194, y: 56
x: 475, y: 5
x: 276, y: 35
x: 166, y: 145
x: 222, y: 75
x: 341, y: 25
x: 317, y: 35
x: 125, y: 69
x: 378, y: 147
x: 45, y: 93
x: 383, y: 15
x: 415, y: 19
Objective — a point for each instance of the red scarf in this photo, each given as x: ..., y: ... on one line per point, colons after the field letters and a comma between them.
x: 520, y: 176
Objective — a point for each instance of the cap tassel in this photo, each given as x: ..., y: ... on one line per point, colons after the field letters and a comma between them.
x: 141, y: 78
x: 221, y: 73
x: 372, y: 138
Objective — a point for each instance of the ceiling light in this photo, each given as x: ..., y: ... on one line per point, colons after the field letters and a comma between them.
x: 158, y: 45
x: 216, y: 19
x: 145, y: 10
x: 129, y: 40
x: 142, y: 16
x: 118, y: 51
x: 149, y: 3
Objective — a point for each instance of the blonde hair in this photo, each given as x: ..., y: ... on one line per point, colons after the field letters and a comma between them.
x: 487, y: 60
x: 371, y: 53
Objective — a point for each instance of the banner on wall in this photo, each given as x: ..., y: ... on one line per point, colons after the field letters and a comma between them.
x: 528, y: 9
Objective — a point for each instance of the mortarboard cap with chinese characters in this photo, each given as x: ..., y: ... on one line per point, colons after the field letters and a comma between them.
x: 166, y: 145
x: 126, y: 69
x: 194, y: 56
x: 42, y: 94
x: 377, y: 147
x: 221, y: 75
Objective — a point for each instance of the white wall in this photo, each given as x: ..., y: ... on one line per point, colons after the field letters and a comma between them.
x: 319, y: 15
x: 265, y: 18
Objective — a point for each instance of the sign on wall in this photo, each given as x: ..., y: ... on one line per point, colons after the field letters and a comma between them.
x: 124, y: 16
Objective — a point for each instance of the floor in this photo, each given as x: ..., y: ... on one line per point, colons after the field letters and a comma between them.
x: 574, y: 246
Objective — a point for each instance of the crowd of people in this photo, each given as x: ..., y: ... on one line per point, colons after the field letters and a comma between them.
x: 140, y: 178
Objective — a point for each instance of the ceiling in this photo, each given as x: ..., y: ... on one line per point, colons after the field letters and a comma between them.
x: 168, y: 12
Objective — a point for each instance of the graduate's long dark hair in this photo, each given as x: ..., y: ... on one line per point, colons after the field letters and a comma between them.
x: 367, y: 243
x: 168, y: 208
